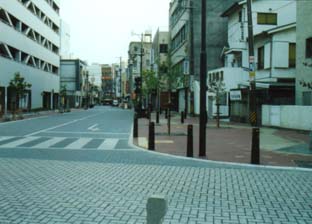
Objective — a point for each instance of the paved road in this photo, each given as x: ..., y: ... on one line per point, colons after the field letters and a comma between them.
x: 79, y: 168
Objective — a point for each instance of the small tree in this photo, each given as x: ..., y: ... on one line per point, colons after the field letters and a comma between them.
x: 218, y: 88
x: 63, y: 95
x: 20, y: 87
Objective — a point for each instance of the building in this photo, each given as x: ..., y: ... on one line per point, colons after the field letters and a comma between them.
x: 74, y: 79
x: 304, y: 53
x: 29, y: 44
x: 185, y: 46
x: 274, y: 25
x: 160, y: 50
x: 107, y: 80
x: 136, y: 52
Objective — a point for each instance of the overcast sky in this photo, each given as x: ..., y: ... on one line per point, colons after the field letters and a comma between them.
x: 101, y: 29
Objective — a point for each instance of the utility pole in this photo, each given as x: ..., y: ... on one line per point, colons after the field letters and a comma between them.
x: 120, y: 78
x: 203, y: 84
x: 252, y: 73
x: 141, y: 75
x: 191, y: 56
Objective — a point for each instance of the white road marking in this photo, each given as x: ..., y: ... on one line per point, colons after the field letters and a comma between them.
x: 79, y: 143
x: 48, y: 143
x: 93, y: 133
x: 93, y: 127
x: 108, y: 144
x: 19, y: 142
x: 61, y: 125
x: 5, y: 138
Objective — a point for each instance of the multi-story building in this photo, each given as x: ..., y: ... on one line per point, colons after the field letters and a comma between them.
x: 29, y: 44
x: 107, y: 80
x: 75, y: 79
x: 304, y: 53
x: 160, y: 48
x: 274, y: 26
x: 185, y: 46
x: 136, y: 51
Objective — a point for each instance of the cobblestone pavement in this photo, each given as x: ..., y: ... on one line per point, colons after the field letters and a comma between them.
x: 52, y: 185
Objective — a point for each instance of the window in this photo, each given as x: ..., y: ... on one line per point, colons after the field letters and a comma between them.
x: 309, y: 48
x: 240, y: 16
x: 292, y: 55
x: 267, y: 18
x: 260, y: 58
x: 223, y: 99
x: 163, y: 48
x: 307, y: 98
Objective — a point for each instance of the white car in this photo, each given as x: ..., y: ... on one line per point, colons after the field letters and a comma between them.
x: 115, y: 103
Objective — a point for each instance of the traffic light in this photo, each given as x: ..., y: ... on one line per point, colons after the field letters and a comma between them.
x: 138, y: 85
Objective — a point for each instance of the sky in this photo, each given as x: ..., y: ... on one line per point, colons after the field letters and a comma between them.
x: 101, y: 30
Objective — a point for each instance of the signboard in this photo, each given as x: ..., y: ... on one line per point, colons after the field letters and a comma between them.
x: 186, y: 67
x: 235, y: 95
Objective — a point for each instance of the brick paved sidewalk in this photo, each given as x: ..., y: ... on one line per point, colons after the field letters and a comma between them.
x: 231, y: 142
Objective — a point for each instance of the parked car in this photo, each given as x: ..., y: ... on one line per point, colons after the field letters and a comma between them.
x: 107, y: 102
x: 115, y: 103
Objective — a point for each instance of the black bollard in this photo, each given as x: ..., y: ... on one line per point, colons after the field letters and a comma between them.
x: 135, y: 126
x: 166, y: 114
x: 310, y: 143
x: 151, y: 136
x: 189, y: 150
x: 157, y: 117
x: 255, y: 146
x: 182, y: 117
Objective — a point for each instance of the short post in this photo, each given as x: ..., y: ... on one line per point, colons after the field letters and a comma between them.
x: 182, y: 117
x: 255, y: 146
x: 151, y: 136
x: 157, y: 117
x: 310, y: 144
x: 156, y: 209
x: 135, y: 126
x: 189, y: 150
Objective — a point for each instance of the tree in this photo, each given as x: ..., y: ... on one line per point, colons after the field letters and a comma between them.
x: 172, y: 79
x: 218, y: 88
x: 20, y: 88
x: 63, y: 95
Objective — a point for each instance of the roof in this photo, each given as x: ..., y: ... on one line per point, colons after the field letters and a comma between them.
x: 277, y: 29
x: 237, y: 5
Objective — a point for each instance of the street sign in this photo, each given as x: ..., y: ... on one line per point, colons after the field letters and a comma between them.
x: 235, y: 95
x: 186, y: 67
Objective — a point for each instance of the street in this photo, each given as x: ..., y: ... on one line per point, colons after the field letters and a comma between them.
x: 81, y: 167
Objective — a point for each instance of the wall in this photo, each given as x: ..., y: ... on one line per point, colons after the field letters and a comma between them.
x: 304, y: 31
x: 293, y: 117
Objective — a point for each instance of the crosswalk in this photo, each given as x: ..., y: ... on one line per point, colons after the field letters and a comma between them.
x: 67, y: 143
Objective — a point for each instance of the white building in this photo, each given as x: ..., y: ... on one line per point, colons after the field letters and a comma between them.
x: 29, y: 44
x: 95, y: 74
x: 274, y: 25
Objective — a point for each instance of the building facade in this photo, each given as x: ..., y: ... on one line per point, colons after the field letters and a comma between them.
x: 159, y: 57
x: 29, y: 44
x: 139, y: 54
x: 304, y: 53
x: 185, y: 44
x: 75, y: 80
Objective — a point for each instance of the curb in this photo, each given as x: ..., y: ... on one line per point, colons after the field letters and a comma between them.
x: 267, y: 167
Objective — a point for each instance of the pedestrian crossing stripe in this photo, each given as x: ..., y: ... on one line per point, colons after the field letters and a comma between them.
x: 61, y: 143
